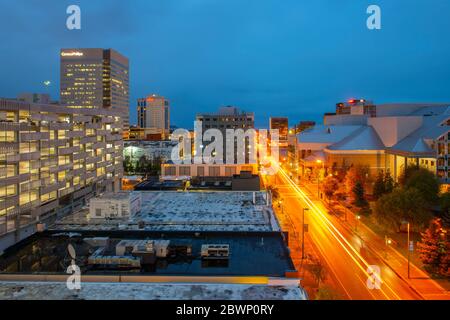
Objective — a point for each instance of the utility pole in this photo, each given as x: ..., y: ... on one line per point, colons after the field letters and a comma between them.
x: 409, y: 253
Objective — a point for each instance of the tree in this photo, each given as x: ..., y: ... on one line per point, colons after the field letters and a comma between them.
x: 358, y: 194
x: 330, y: 185
x: 127, y: 165
x: 317, y: 269
x: 388, y: 182
x: 326, y: 293
x: 424, y: 181
x: 379, y: 188
x: 402, y: 205
x: 434, y: 248
x: 274, y: 191
x: 444, y: 201
x: 354, y: 175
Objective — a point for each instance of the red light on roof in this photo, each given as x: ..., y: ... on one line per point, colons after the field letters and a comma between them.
x: 351, y: 101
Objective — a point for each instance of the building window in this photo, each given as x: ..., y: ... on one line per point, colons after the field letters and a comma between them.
x: 214, y: 171
x: 185, y: 171
x: 170, y: 171
x: 201, y: 171
x: 229, y: 171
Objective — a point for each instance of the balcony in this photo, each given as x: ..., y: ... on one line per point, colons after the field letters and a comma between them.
x: 32, y: 185
x: 47, y: 207
x: 44, y: 117
x: 9, y: 147
x: 66, y: 191
x: 99, y: 145
x: 49, y: 162
x: 49, y: 188
x: 82, y: 119
x: 12, y: 158
x: 15, y: 179
x: 36, y: 155
x: 85, y: 140
x: 34, y: 136
x: 78, y: 172
x: 10, y: 201
x: 62, y: 151
x: 30, y: 205
x: 75, y: 134
x: 65, y: 167
x: 90, y: 174
x: 93, y: 125
x: 15, y: 126
x: 79, y: 155
x: 107, y: 119
x: 60, y: 125
x: 90, y: 160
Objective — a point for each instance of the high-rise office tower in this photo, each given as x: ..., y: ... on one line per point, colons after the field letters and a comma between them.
x: 154, y: 114
x: 95, y: 78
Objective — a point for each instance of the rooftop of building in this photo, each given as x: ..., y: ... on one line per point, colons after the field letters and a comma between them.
x: 262, y: 254
x: 148, y: 291
x: 120, y: 195
x: 326, y: 133
x: 186, y: 211
x: 432, y: 128
x: 226, y: 111
x: 365, y: 138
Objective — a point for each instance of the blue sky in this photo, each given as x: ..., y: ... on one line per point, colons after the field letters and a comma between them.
x: 293, y: 58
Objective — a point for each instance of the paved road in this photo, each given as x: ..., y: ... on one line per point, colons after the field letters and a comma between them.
x: 343, y: 251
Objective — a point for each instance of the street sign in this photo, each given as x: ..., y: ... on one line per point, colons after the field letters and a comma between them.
x: 411, y: 246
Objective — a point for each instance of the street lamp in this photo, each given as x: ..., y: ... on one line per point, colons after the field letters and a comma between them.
x: 358, y: 217
x: 410, y: 248
x: 318, y: 177
x: 303, y: 233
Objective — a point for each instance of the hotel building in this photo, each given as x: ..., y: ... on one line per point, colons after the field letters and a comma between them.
x: 95, y: 78
x: 153, y: 115
x: 52, y: 159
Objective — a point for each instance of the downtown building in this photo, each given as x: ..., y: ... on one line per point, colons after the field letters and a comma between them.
x: 95, y: 79
x: 153, y: 114
x: 228, y: 117
x: 52, y: 159
x: 385, y: 137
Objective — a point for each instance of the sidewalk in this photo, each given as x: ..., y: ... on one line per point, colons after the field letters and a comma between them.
x: 420, y: 281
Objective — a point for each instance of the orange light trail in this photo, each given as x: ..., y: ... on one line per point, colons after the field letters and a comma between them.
x: 348, y: 248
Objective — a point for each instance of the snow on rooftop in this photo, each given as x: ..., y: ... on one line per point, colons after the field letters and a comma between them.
x: 186, y: 211
x: 148, y: 291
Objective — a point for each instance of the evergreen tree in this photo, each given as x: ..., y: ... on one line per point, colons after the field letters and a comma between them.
x: 433, y: 248
x: 358, y: 193
x: 379, y: 188
x: 388, y: 183
x: 330, y: 186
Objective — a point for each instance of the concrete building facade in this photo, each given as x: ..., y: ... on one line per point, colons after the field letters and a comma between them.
x: 51, y: 159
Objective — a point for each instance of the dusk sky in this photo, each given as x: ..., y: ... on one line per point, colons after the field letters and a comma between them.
x: 293, y: 58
